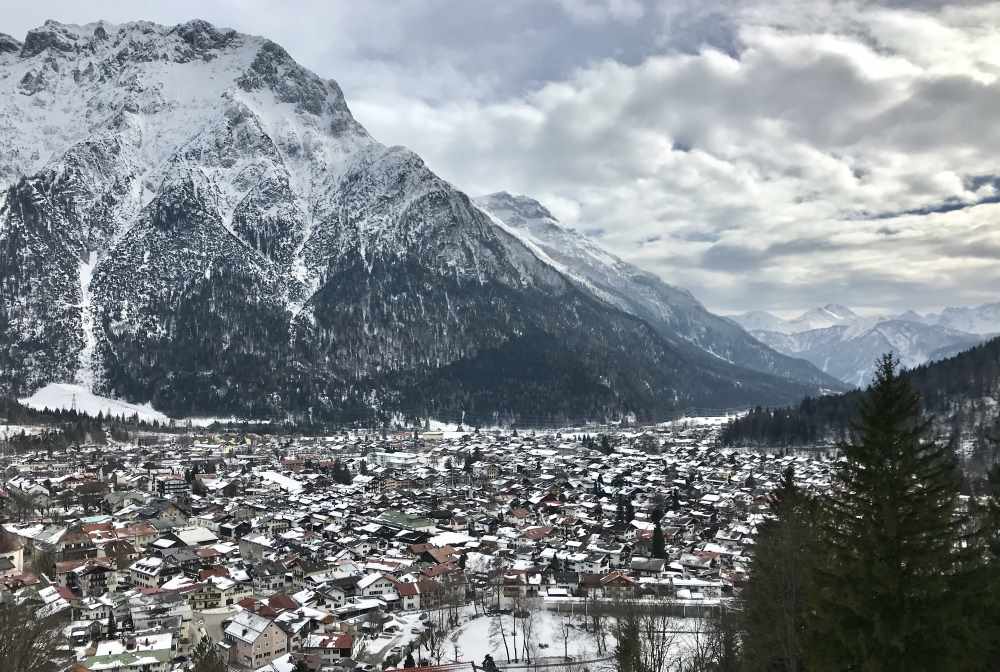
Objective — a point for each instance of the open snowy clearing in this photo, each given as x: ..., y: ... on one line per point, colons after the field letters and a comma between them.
x: 480, y: 635
x: 703, y: 421
x: 65, y: 396
x: 475, y: 639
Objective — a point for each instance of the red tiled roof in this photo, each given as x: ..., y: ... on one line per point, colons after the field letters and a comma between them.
x: 282, y: 602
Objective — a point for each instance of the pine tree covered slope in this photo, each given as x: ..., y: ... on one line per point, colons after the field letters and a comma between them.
x: 195, y: 220
x: 961, y: 393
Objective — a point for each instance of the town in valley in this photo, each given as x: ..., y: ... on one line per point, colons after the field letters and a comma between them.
x: 362, y: 549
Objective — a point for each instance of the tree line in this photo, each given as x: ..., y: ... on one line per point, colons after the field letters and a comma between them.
x: 943, y: 386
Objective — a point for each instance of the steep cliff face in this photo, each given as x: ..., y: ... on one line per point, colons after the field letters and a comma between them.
x: 191, y: 218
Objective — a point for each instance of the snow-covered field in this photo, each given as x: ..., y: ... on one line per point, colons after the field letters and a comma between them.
x: 481, y: 635
x: 65, y: 396
x: 703, y: 421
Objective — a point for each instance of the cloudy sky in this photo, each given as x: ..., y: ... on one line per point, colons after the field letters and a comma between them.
x: 777, y: 155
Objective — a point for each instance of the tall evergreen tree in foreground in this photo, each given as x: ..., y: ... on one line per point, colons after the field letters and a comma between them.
x: 886, y: 582
x: 776, y: 613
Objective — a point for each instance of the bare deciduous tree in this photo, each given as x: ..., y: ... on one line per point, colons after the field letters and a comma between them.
x: 28, y: 643
x: 565, y: 627
x: 527, y: 631
x: 436, y: 637
x: 597, y: 620
x: 455, y: 648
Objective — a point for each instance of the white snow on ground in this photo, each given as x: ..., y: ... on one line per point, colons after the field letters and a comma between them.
x: 703, y: 421
x: 404, y: 630
x: 67, y: 397
x: 475, y: 641
x: 438, y: 426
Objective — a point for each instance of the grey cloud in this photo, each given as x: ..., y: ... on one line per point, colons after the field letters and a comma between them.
x: 735, y: 146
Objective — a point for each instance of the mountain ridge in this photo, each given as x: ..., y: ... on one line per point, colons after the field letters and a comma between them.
x: 671, y: 310
x: 848, y: 345
x: 204, y: 225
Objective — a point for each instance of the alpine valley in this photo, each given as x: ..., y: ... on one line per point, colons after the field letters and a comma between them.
x: 191, y: 219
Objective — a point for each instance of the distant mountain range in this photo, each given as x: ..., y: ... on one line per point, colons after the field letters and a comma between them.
x: 190, y: 218
x: 845, y: 345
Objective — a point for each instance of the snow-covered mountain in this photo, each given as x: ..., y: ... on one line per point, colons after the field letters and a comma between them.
x: 848, y: 350
x: 189, y: 217
x: 829, y: 315
x: 984, y: 319
x: 674, y: 312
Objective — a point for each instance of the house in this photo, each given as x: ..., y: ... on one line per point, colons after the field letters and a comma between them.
x: 270, y: 577
x: 376, y: 585
x: 216, y: 592
x: 151, y: 572
x: 409, y: 595
x: 193, y: 536
x: 618, y: 583
x: 86, y: 578
x: 647, y: 566
x: 146, y: 653
x: 253, y: 640
x: 329, y: 648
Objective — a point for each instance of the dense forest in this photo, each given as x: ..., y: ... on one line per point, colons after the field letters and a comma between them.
x: 960, y: 392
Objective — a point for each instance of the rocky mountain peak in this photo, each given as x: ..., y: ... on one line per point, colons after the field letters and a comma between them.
x: 517, y: 208
x: 192, y: 218
x: 9, y: 45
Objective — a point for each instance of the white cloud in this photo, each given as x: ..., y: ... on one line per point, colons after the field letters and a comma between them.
x: 765, y: 169
x: 774, y: 154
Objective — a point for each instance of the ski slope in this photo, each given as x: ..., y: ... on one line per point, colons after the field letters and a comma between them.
x: 65, y: 396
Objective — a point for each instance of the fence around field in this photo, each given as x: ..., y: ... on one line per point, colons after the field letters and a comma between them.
x: 673, y: 608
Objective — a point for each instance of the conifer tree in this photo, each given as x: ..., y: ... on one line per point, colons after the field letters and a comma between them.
x: 659, y: 545
x: 776, y: 604
x: 981, y: 584
x: 207, y: 657
x: 890, y: 538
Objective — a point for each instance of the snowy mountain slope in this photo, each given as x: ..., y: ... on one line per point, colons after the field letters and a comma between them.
x: 60, y: 396
x: 760, y: 320
x: 191, y: 218
x: 818, y: 318
x: 984, y: 319
x: 672, y: 311
x: 849, y: 351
